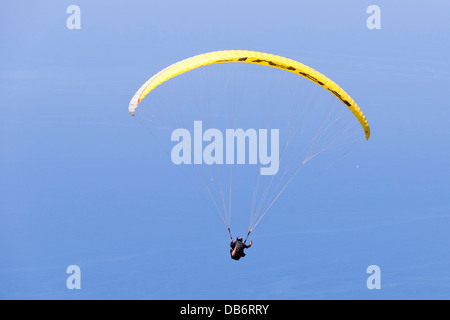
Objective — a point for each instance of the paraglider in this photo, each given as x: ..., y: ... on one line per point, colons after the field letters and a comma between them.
x: 237, y: 248
x: 187, y: 149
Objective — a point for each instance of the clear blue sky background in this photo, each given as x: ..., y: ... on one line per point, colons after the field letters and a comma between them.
x: 78, y: 185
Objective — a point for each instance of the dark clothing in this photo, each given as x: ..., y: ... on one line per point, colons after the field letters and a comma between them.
x: 237, y: 249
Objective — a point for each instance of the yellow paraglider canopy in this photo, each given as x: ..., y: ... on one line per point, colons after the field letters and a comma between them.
x: 249, y: 57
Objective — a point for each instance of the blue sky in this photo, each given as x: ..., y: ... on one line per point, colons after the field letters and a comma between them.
x: 81, y: 183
